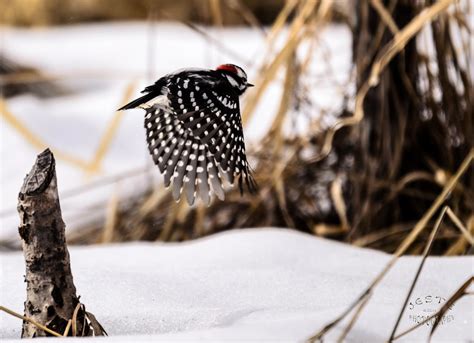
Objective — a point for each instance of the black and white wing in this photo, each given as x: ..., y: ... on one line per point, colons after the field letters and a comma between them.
x: 212, y: 113
x: 180, y: 157
x: 197, y: 138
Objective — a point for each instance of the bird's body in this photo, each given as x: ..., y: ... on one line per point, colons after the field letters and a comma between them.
x: 194, y: 131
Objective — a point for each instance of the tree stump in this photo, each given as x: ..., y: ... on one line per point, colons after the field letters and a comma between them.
x: 51, y: 294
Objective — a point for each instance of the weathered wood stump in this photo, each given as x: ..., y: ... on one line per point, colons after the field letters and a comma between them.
x: 51, y: 294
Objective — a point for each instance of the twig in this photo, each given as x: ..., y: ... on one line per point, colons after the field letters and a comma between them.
x: 33, y: 139
x: 216, y: 12
x: 110, y: 218
x: 74, y: 319
x: 385, y: 15
x: 68, y: 326
x: 437, y: 203
x: 106, y: 140
x: 42, y: 327
x: 418, y: 272
x: 297, y: 32
x: 354, y: 318
x: 460, y: 226
x: 102, y: 182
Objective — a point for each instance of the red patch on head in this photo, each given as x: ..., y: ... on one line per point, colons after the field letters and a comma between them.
x: 227, y: 67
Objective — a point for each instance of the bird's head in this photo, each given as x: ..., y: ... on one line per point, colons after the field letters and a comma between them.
x: 236, y: 77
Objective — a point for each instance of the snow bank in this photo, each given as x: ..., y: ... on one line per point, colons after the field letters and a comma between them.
x: 254, y: 284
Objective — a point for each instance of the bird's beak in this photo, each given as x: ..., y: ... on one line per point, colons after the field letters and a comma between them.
x: 249, y: 85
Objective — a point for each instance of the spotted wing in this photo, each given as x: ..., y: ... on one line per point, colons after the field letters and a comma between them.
x: 211, y: 113
x: 181, y: 157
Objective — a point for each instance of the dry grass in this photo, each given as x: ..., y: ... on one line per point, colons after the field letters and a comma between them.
x: 387, y: 53
x: 208, y: 12
x: 363, y: 299
x: 53, y: 12
x: 90, y: 325
x: 19, y: 316
x: 34, y: 139
x: 301, y: 171
x: 390, y: 200
x: 94, y: 165
x: 90, y: 167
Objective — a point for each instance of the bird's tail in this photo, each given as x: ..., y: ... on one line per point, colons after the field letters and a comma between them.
x: 137, y: 102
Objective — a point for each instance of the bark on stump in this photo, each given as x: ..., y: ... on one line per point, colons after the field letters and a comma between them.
x: 51, y: 294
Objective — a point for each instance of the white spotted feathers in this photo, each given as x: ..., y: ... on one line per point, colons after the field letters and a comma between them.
x: 194, y: 131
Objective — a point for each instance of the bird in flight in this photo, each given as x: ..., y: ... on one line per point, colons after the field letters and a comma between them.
x: 194, y: 131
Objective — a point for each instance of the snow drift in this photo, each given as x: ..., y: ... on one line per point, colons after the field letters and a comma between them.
x: 254, y: 284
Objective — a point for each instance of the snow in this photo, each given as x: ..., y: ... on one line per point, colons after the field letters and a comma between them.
x: 96, y: 63
x: 248, y: 285
x: 244, y: 285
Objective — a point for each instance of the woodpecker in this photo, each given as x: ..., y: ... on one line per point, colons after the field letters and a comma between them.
x: 194, y: 130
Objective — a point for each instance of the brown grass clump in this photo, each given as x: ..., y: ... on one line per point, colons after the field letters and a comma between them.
x: 369, y: 177
x: 377, y: 170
